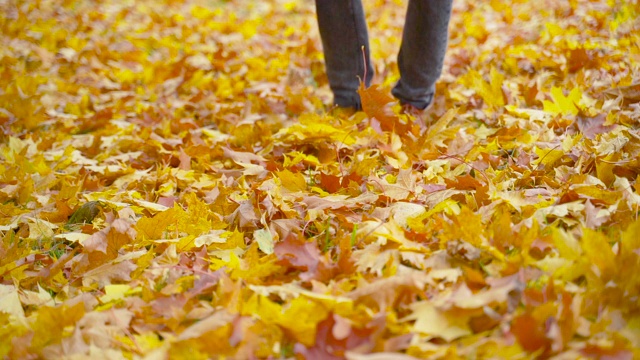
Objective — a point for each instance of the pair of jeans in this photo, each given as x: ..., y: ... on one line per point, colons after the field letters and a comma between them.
x: 345, y: 41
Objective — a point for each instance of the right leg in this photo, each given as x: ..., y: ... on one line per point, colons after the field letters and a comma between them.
x: 343, y: 30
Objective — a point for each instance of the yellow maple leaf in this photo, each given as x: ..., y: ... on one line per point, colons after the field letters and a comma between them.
x: 160, y: 225
x: 630, y: 244
x: 490, y: 91
x: 598, y: 251
x: 292, y: 181
x: 547, y: 157
x: 300, y: 316
x: 564, y: 105
x: 50, y: 323
x: 434, y: 322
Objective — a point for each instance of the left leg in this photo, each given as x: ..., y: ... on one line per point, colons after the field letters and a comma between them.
x: 424, y: 43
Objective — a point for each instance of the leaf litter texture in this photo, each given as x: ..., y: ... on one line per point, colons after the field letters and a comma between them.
x: 173, y: 186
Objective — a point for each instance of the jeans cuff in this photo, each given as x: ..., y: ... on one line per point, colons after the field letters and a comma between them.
x: 421, y: 101
x: 352, y: 101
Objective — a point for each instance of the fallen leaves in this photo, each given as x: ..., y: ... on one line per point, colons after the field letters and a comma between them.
x: 171, y: 186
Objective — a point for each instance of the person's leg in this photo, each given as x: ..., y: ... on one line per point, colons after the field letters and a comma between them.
x: 424, y: 43
x: 343, y: 30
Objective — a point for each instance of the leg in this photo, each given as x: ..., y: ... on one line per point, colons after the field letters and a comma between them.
x: 343, y: 30
x: 424, y: 43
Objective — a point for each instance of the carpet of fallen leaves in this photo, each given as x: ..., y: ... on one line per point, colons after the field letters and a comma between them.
x: 173, y: 185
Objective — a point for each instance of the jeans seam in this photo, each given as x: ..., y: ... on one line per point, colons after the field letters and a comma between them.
x: 358, y: 34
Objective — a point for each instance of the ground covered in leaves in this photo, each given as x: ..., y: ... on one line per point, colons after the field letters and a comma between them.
x: 173, y: 185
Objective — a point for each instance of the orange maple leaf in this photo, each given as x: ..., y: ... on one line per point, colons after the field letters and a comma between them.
x: 376, y: 103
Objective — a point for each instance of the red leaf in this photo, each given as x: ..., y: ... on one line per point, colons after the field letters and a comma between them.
x: 331, y: 183
x: 529, y: 333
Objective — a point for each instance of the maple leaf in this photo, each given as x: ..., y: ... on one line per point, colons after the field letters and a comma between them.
x: 436, y: 323
x: 10, y: 304
x: 97, y: 328
x: 591, y: 126
x: 264, y: 239
x: 331, y: 183
x: 292, y: 181
x: 376, y: 104
x: 312, y: 129
x: 206, y: 325
x: 565, y: 105
x: 109, y: 272
x: 105, y: 245
x: 547, y: 157
x: 243, y: 157
x: 630, y: 93
x: 434, y: 136
x: 385, y: 291
x: 594, y: 217
x: 300, y: 317
x: 400, y: 189
x: 491, y: 92
x: 51, y: 322
x: 466, y: 182
x: 245, y: 215
x: 530, y: 334
x: 335, y: 336
x: 302, y: 255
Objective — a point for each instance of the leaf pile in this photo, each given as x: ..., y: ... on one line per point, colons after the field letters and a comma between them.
x: 171, y: 185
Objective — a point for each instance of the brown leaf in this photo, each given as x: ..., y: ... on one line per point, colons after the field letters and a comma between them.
x: 630, y: 93
x: 108, y: 273
x: 298, y: 253
x: 591, y: 126
x: 329, y: 346
x: 202, y: 327
x: 243, y: 157
x: 305, y: 256
x: 386, y: 290
x: 245, y: 215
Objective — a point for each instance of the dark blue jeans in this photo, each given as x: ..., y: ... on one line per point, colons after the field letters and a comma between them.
x: 343, y: 30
